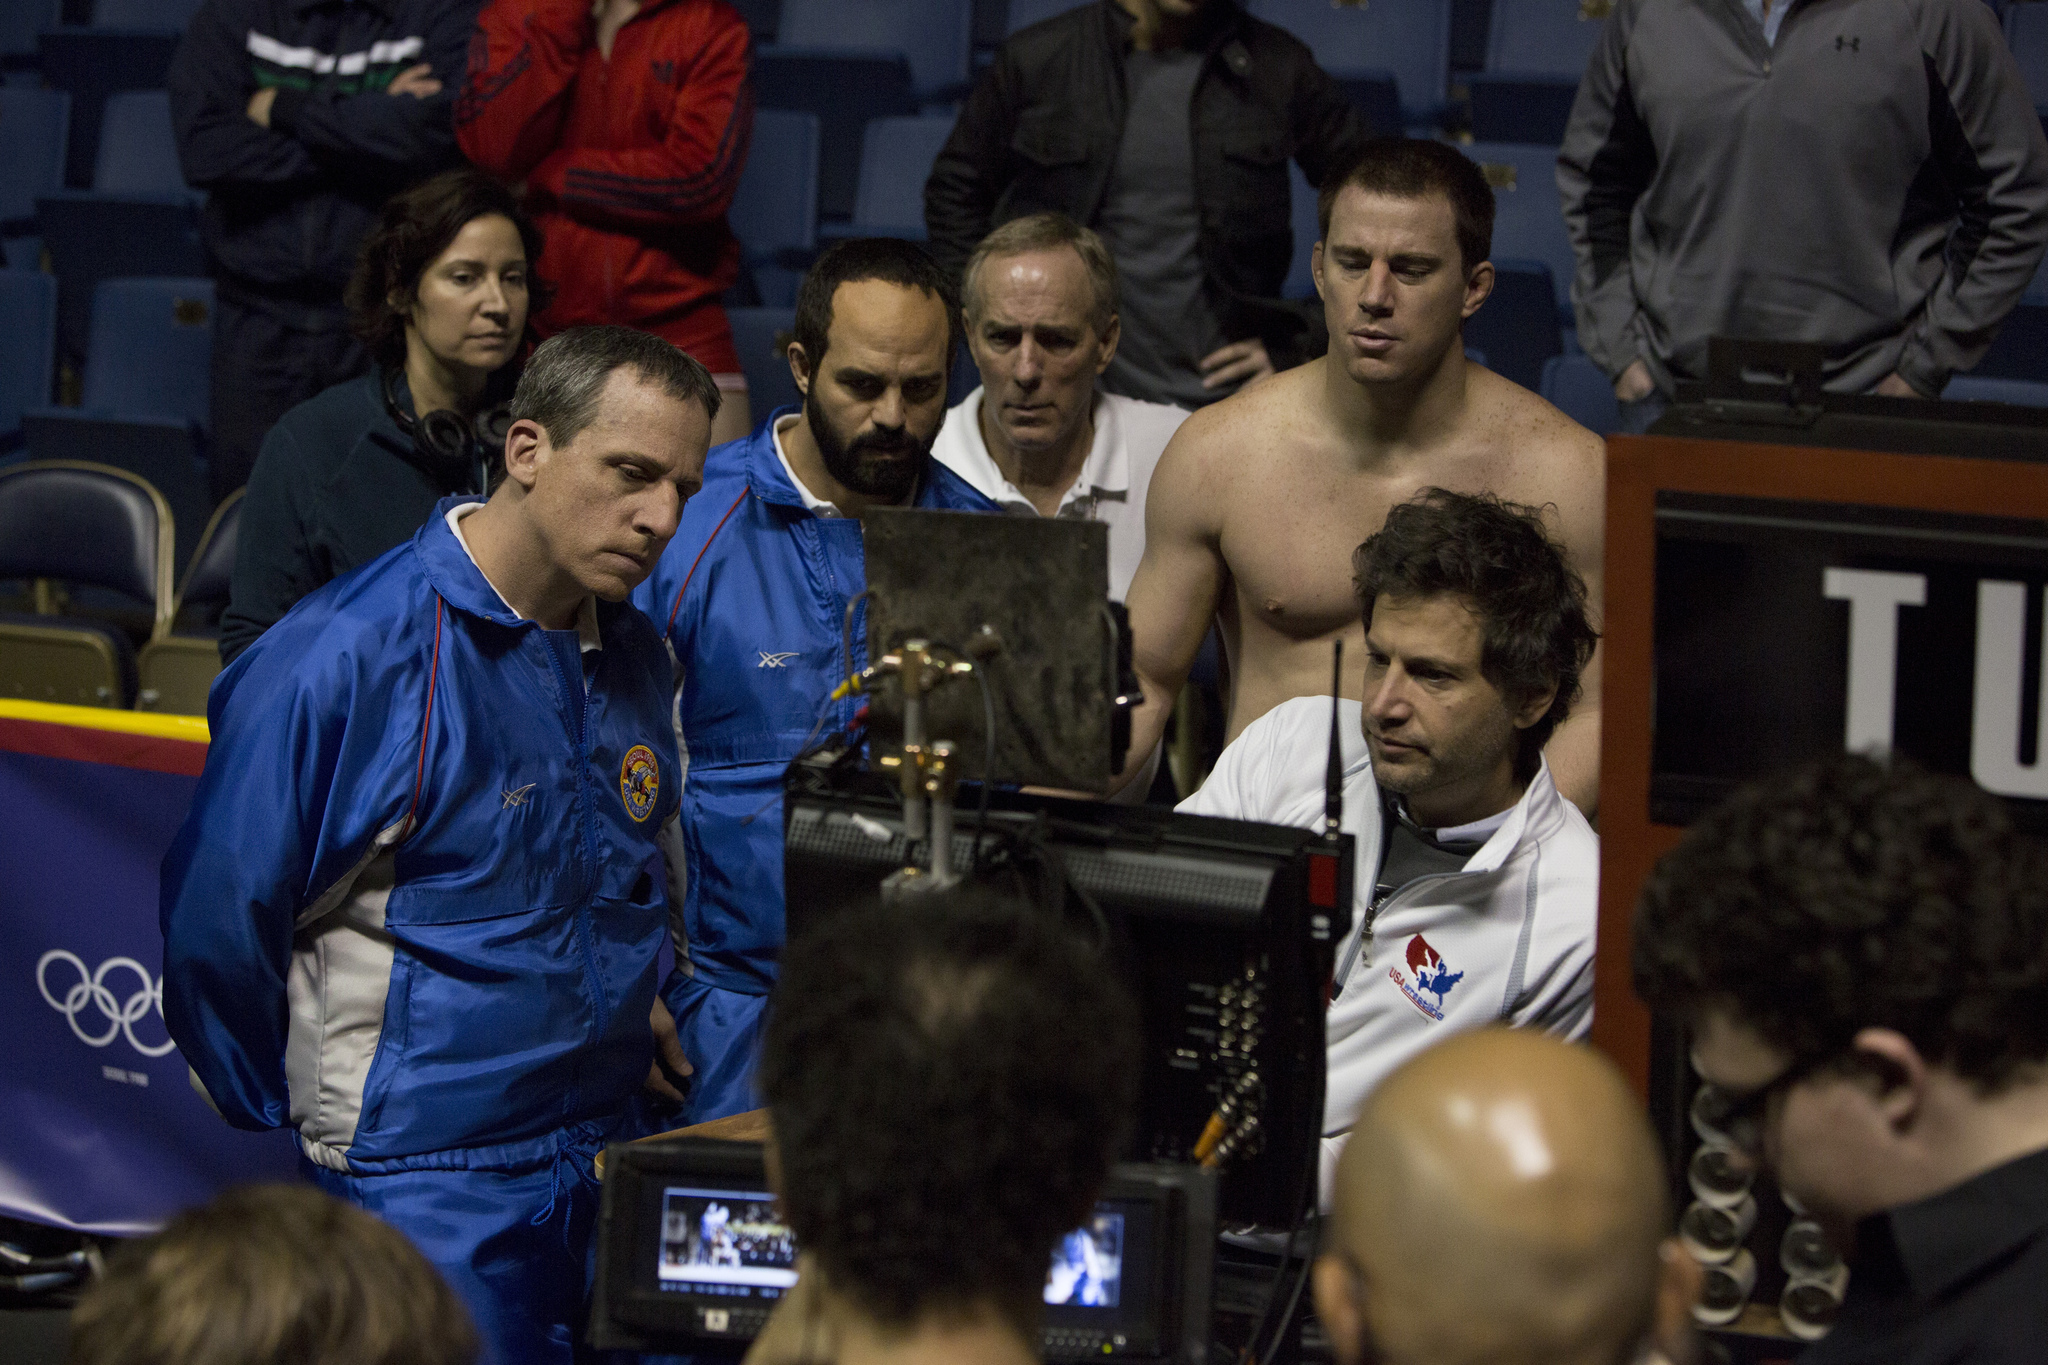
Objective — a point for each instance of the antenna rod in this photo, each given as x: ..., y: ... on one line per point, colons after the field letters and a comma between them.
x: 1333, y: 795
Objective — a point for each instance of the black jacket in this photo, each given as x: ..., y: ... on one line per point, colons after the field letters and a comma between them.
x: 289, y: 204
x: 336, y: 485
x: 1041, y: 130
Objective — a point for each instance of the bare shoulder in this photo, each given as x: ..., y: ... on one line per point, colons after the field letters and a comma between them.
x: 1215, y: 445
x: 1545, y: 458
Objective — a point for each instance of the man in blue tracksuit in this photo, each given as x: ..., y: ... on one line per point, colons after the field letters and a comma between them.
x: 416, y: 907
x: 752, y: 596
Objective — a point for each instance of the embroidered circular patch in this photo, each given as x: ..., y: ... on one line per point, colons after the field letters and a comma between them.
x: 639, y: 781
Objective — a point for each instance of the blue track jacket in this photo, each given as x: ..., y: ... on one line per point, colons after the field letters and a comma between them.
x: 752, y: 594
x: 416, y: 906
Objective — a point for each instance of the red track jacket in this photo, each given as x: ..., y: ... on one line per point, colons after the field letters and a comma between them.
x: 629, y: 164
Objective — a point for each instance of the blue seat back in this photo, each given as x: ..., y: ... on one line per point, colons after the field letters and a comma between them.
x: 1411, y: 38
x: 138, y: 151
x: 1542, y: 37
x: 769, y: 383
x: 896, y: 157
x: 213, y: 563
x: 93, y: 237
x: 775, y: 208
x: 934, y: 35
x: 1528, y: 218
x: 28, y: 337
x: 1970, y: 388
x: 845, y: 90
x: 91, y: 526
x: 22, y: 20
x: 143, y: 13
x: 2026, y: 30
x: 1517, y: 326
x: 1025, y: 13
x: 152, y: 344
x: 1575, y: 384
x: 93, y: 63
x: 33, y: 135
x: 1300, y: 281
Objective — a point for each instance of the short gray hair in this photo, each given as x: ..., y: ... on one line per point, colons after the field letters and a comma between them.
x: 568, y: 372
x: 1045, y: 232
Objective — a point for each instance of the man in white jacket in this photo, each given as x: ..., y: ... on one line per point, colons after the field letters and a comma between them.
x: 1476, y: 884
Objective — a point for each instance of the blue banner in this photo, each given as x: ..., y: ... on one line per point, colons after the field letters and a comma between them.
x: 102, y: 1129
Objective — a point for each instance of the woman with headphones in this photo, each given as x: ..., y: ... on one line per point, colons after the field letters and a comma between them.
x: 442, y: 291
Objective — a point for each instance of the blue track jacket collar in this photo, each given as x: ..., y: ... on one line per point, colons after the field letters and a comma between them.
x: 752, y: 596
x: 415, y: 909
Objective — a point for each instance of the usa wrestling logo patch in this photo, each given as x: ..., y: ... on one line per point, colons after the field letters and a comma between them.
x: 639, y: 781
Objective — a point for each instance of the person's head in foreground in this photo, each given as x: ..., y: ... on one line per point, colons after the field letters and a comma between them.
x: 876, y: 323
x: 609, y: 431
x: 271, y: 1275
x: 948, y: 1083
x: 1040, y: 296
x: 1406, y: 231
x: 1860, y: 950
x: 1475, y: 639
x: 1501, y: 1202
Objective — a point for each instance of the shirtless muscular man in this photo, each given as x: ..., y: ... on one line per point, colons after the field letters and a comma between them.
x: 1259, y: 499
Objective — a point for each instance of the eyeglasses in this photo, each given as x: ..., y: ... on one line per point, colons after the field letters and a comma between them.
x: 1740, y: 1115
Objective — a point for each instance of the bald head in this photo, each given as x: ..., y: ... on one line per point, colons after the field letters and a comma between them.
x: 1501, y: 1200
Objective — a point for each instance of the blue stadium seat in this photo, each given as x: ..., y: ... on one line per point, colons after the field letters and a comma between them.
x: 774, y: 212
x: 2026, y: 30
x: 2020, y: 350
x: 33, y: 125
x: 143, y: 13
x: 896, y: 158
x: 762, y: 16
x: 754, y: 330
x: 1528, y: 220
x: 138, y: 150
x: 1577, y: 387
x: 1970, y: 388
x: 936, y: 36
x: 20, y: 22
x: 1300, y: 282
x: 1411, y: 38
x: 1517, y: 326
x: 844, y: 89
x: 1542, y: 38
x: 93, y: 63
x: 175, y: 672
x: 28, y: 334
x: 1510, y: 107
x: 146, y: 392
x: 1025, y: 13
x: 93, y: 237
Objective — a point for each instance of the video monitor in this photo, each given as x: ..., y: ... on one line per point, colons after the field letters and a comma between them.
x: 692, y: 1251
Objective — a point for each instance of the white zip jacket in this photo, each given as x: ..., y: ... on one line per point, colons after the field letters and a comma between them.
x: 1507, y: 940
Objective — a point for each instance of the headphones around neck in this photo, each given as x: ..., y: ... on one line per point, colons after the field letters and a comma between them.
x: 461, y: 456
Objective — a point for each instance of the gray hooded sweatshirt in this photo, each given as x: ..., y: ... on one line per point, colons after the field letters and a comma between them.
x: 1876, y: 180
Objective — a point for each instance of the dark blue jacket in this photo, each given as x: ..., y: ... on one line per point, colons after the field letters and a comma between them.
x: 335, y: 485
x: 290, y: 203
x: 752, y: 595
x: 416, y: 906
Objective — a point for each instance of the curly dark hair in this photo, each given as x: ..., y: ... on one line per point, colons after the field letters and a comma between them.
x: 417, y: 225
x: 1496, y: 555
x: 949, y: 1082
x: 1852, y: 894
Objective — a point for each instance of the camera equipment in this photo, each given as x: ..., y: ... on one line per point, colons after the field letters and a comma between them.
x: 691, y: 1250
x: 1224, y: 930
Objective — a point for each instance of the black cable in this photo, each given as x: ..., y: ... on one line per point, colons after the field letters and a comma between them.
x: 988, y: 763
x: 1302, y: 1190
x: 1293, y: 1300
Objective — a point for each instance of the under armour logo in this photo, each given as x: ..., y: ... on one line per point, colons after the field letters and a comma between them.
x: 1853, y: 44
x: 517, y: 796
x: 775, y: 660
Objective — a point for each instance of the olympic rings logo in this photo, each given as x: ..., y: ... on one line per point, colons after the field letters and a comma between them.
x: 91, y: 989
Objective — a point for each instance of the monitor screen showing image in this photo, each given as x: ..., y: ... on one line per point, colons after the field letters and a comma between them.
x: 724, y: 1242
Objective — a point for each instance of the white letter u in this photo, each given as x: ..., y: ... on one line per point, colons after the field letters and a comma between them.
x: 1995, y: 710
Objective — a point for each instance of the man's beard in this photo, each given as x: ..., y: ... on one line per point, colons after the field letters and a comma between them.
x: 883, y: 465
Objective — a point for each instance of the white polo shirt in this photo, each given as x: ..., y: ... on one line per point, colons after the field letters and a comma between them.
x: 1507, y: 940
x: 1129, y: 437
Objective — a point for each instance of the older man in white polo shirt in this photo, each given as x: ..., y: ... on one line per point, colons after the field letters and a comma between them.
x: 1038, y: 437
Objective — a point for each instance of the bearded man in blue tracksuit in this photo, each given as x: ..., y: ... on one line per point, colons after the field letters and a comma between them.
x: 752, y: 595
x: 416, y: 908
